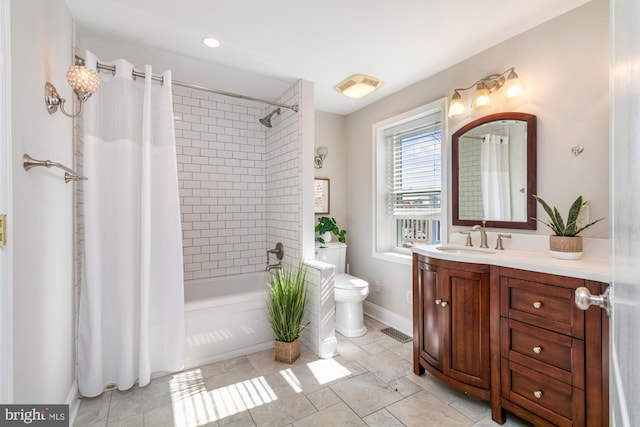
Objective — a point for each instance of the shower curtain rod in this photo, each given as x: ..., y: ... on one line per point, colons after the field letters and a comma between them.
x: 160, y: 79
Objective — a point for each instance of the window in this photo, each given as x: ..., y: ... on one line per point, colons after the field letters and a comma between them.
x: 409, y: 190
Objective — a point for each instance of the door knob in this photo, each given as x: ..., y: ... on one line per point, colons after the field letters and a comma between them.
x: 584, y: 299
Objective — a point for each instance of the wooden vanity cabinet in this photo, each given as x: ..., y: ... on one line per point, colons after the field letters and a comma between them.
x: 550, y: 358
x: 514, y: 337
x: 451, y: 323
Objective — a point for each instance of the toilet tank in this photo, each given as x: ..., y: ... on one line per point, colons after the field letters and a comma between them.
x: 333, y: 253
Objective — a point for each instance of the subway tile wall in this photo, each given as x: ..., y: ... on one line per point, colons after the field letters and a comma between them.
x: 469, y: 184
x: 239, y: 182
x: 283, y: 201
x: 222, y: 182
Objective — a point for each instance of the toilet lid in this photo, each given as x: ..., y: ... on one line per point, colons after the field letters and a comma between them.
x: 347, y: 281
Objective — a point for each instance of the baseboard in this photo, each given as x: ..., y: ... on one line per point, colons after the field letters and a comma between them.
x: 390, y: 318
x: 73, y: 400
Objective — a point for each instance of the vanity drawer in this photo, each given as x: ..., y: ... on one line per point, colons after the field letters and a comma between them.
x: 554, y: 400
x: 547, y: 306
x: 556, y: 355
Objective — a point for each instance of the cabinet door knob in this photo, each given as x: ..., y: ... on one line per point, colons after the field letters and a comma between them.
x: 537, y: 349
x: 537, y: 394
x: 438, y: 301
x: 444, y: 303
x: 537, y: 304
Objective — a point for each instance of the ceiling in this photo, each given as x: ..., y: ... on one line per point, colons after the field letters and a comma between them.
x: 278, y: 42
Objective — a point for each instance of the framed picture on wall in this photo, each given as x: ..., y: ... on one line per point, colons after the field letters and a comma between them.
x: 321, y: 196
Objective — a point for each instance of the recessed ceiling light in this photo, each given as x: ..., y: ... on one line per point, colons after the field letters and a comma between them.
x: 358, y: 85
x: 210, y: 41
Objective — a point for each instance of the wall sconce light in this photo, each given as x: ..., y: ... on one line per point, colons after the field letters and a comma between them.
x: 83, y: 81
x: 321, y: 154
x: 485, y: 87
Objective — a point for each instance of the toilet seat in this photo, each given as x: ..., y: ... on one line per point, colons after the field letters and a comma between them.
x: 348, y: 282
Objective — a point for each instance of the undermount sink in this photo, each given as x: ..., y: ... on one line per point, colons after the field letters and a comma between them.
x: 465, y: 250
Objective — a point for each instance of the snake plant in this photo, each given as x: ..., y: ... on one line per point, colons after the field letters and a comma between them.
x: 559, y: 227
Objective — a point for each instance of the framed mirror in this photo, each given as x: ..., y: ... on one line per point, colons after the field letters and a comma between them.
x: 494, y: 172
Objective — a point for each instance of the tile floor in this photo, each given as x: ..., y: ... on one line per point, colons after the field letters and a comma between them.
x: 370, y: 383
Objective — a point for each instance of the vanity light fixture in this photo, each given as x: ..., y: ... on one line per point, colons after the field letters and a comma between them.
x: 83, y: 81
x: 358, y: 86
x: 484, y: 88
x: 321, y: 154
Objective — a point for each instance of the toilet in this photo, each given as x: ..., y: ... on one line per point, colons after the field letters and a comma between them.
x: 350, y: 291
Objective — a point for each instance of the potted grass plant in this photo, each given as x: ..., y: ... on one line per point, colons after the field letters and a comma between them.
x: 565, y: 242
x: 326, y: 227
x: 287, y: 297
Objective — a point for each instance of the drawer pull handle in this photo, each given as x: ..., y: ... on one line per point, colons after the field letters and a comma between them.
x: 438, y: 301
x: 537, y: 304
x: 537, y: 394
x: 444, y: 303
x: 537, y: 349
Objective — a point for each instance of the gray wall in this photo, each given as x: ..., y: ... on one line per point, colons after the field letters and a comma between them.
x: 563, y: 67
x: 331, y: 132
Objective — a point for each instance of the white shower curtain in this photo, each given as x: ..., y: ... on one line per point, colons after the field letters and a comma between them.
x: 131, y: 321
x: 494, y: 177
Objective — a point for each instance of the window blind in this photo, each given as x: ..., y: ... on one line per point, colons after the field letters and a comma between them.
x: 416, y: 169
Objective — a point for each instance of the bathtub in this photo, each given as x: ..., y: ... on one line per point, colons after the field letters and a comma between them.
x: 225, y: 317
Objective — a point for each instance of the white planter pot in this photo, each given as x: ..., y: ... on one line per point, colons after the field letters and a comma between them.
x: 562, y: 247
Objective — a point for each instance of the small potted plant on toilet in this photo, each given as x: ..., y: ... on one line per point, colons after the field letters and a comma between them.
x: 327, y: 227
x: 565, y: 243
x: 286, y: 303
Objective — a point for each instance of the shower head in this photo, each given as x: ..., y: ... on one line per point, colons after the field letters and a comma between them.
x: 266, y: 120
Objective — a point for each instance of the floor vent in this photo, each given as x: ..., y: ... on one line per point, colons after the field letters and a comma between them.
x: 396, y: 334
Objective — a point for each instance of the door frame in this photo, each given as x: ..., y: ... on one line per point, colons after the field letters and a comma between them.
x: 6, y: 272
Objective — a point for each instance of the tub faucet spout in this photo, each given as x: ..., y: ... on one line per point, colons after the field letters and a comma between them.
x: 279, y: 253
x: 273, y: 266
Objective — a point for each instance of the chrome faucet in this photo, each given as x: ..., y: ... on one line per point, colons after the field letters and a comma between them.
x: 483, y: 235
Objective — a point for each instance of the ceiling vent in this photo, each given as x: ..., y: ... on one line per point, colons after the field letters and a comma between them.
x: 358, y: 85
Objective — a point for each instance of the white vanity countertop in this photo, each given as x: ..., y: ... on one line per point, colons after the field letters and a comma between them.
x: 597, y: 269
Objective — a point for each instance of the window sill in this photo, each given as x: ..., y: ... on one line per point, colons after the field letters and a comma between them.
x: 397, y: 257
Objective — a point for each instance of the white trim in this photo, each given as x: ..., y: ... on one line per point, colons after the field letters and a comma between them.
x: 396, y: 257
x: 387, y: 317
x: 384, y: 235
x: 73, y: 400
x: 6, y: 270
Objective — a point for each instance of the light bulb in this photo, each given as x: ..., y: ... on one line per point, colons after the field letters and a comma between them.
x: 481, y: 97
x: 512, y: 88
x: 457, y: 106
x: 83, y: 80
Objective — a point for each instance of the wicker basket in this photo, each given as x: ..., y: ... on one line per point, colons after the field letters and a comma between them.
x: 287, y: 352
